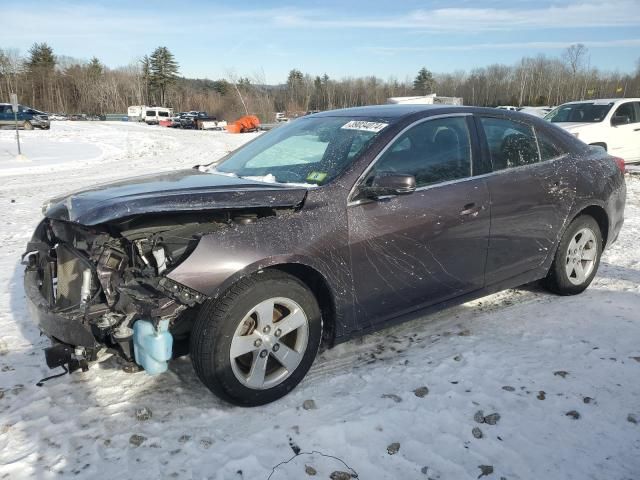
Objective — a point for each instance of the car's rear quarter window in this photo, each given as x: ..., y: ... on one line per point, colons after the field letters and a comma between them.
x: 511, y: 144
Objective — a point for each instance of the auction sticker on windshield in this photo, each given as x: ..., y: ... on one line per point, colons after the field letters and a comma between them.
x: 364, y: 126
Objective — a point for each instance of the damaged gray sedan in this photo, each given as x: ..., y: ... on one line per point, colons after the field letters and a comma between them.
x: 329, y: 227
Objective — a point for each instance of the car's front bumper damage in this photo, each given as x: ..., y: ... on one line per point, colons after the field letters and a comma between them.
x: 86, y: 288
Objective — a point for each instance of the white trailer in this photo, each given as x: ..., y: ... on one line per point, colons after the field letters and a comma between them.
x: 134, y: 113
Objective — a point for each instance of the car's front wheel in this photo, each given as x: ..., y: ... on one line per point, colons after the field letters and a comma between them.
x: 256, y: 342
x: 577, y: 258
x: 28, y: 125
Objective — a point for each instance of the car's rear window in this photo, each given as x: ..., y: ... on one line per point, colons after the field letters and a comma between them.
x: 549, y: 147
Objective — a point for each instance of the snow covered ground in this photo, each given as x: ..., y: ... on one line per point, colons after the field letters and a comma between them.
x: 526, y: 355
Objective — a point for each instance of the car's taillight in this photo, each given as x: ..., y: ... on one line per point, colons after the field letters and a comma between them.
x: 620, y: 163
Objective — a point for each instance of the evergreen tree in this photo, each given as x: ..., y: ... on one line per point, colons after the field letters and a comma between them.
x: 244, y: 83
x: 41, y: 57
x: 295, y: 77
x: 295, y: 86
x: 41, y: 66
x: 95, y: 69
x: 221, y: 86
x: 163, y: 71
x: 423, y: 83
x: 145, y: 74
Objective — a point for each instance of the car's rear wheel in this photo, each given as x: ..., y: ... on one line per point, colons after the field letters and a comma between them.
x: 577, y: 258
x: 28, y: 125
x: 256, y: 342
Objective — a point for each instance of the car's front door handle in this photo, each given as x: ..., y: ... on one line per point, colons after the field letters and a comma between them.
x: 470, y: 209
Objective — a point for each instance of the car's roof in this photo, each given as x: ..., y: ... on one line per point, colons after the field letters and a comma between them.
x: 394, y: 112
x: 384, y: 111
x: 604, y: 100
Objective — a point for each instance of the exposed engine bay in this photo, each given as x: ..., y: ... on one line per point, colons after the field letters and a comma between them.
x: 96, y: 282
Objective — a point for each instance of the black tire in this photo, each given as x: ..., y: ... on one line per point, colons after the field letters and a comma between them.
x: 218, y: 321
x: 558, y: 280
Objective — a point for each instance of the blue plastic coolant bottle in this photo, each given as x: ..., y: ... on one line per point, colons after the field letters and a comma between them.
x: 152, y: 348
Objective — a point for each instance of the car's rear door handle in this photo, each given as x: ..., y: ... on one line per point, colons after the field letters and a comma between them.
x: 470, y: 209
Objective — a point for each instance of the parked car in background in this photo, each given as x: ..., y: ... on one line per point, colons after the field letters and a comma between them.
x: 28, y: 118
x: 58, y: 117
x: 318, y: 231
x: 508, y: 107
x: 535, y: 111
x: 194, y: 119
x: 281, y: 117
x: 175, y: 120
x: 613, y: 124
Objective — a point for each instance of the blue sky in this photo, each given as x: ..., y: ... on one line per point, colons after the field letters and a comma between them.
x: 342, y: 38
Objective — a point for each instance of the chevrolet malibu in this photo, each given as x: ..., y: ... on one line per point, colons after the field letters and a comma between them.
x: 326, y: 228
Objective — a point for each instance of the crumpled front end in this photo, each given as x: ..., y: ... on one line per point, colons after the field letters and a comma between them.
x: 87, y: 286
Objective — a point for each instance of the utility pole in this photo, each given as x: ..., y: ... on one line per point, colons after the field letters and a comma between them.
x: 14, y: 104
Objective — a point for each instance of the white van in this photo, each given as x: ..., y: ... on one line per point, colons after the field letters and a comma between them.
x: 150, y: 115
x: 153, y: 115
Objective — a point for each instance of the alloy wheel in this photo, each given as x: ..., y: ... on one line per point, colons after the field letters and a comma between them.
x: 581, y: 256
x: 269, y: 343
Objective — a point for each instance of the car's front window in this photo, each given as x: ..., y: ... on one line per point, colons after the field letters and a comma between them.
x: 434, y: 151
x: 308, y: 150
x: 580, y: 112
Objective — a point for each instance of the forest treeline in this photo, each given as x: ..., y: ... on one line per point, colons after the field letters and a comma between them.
x: 52, y: 82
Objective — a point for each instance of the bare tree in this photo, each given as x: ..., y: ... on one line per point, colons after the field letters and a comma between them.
x: 234, y: 81
x: 575, y: 55
x: 64, y: 84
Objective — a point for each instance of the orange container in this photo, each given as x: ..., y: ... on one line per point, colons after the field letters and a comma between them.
x: 248, y: 122
x: 234, y: 128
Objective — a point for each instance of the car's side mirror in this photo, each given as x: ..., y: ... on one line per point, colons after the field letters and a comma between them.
x: 620, y: 120
x: 385, y: 184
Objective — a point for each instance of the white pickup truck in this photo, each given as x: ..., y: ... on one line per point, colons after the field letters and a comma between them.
x: 613, y: 124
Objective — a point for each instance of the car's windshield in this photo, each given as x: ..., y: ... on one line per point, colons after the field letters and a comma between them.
x: 307, y: 150
x: 579, y: 112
